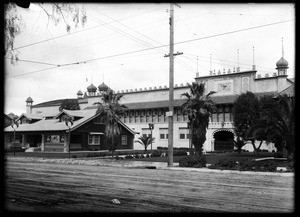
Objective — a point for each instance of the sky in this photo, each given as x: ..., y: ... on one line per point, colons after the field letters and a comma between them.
x: 123, y: 45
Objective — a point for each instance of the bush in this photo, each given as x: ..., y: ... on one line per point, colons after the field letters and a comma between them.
x: 226, y: 164
x: 99, y: 154
x: 193, y: 161
x: 156, y: 154
x: 179, y: 153
x: 73, y: 156
x: 266, y: 166
x: 128, y: 157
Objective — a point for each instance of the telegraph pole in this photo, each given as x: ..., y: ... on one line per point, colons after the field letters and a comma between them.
x: 171, y: 87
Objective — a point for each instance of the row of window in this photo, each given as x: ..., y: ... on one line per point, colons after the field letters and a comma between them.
x: 183, y: 133
x: 95, y: 139
x: 224, y: 114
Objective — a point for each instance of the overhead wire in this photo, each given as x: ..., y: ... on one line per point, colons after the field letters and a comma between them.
x: 181, y: 42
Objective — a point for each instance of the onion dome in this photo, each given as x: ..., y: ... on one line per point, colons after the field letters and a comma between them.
x: 29, y: 99
x: 79, y: 93
x: 91, y: 88
x: 102, y: 87
x: 282, y: 63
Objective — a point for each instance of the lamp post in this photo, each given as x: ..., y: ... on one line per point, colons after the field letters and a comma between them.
x: 151, y: 127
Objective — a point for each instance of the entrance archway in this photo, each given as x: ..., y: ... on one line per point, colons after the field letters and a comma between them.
x: 223, y: 141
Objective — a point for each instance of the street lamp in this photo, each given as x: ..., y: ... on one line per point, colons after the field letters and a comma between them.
x: 151, y: 127
x: 69, y: 123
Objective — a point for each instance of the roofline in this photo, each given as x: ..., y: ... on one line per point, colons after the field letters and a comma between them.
x: 226, y: 74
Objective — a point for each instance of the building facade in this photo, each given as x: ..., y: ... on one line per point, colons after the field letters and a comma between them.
x: 149, y: 105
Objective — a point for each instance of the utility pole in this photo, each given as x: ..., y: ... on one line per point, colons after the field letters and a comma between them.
x: 171, y: 87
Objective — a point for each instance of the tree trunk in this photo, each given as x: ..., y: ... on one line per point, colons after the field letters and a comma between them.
x: 255, y: 149
x: 112, y: 146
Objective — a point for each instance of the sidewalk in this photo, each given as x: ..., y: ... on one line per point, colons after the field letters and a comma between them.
x: 138, y: 164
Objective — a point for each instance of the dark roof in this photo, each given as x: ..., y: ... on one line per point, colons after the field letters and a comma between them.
x: 52, y: 103
x: 56, y: 125
x: 29, y: 99
x: 31, y: 116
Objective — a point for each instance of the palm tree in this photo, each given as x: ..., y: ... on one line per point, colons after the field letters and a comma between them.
x: 145, y: 141
x: 198, y: 107
x: 110, y: 110
x: 279, y: 129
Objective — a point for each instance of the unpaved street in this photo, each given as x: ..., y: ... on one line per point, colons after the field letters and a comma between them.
x: 53, y: 187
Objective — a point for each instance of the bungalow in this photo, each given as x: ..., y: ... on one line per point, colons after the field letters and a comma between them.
x: 51, y: 134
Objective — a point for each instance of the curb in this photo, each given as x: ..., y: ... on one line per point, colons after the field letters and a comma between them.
x: 207, y: 170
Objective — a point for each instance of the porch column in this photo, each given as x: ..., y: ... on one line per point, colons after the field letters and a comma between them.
x: 66, y: 144
x: 43, y: 143
x: 212, y: 145
x: 24, y: 140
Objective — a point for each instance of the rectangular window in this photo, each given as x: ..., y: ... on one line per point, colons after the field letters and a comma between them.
x: 214, y: 117
x: 124, y: 140
x: 227, y: 117
x: 163, y: 133
x: 183, y: 132
x: 146, y: 131
x: 94, y: 139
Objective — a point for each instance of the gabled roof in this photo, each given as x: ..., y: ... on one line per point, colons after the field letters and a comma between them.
x: 72, y: 113
x: 56, y: 125
x: 31, y: 116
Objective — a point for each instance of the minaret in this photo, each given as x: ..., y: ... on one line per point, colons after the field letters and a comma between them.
x: 29, y: 103
x: 210, y: 71
x: 282, y: 64
x: 238, y: 62
x: 253, y: 66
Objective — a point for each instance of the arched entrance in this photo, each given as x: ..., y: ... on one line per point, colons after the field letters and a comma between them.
x: 223, y: 140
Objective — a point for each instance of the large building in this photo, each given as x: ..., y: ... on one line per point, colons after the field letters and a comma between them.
x: 149, y: 105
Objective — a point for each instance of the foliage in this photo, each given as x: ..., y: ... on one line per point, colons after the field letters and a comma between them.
x: 245, y: 113
x: 156, y: 154
x: 97, y: 154
x: 277, y: 125
x: 248, y: 165
x: 145, y: 141
x: 70, y: 14
x: 198, y: 107
x: 193, y: 161
x: 69, y: 104
x: 110, y: 111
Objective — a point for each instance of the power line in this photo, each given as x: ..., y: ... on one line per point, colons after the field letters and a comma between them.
x: 181, y: 42
x: 72, y: 33
x: 31, y: 72
x: 30, y: 61
x: 151, y: 48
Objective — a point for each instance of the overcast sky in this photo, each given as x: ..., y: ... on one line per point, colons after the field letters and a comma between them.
x: 124, y: 46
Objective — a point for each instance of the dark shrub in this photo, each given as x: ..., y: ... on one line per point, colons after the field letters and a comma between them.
x: 156, y: 154
x: 73, y: 156
x: 226, y: 164
x: 128, y: 157
x: 290, y: 167
x: 193, y: 161
x: 147, y: 155
x: 137, y: 156
x: 264, y: 166
x: 179, y: 153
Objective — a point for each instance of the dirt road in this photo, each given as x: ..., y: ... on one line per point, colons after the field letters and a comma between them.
x: 52, y: 187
